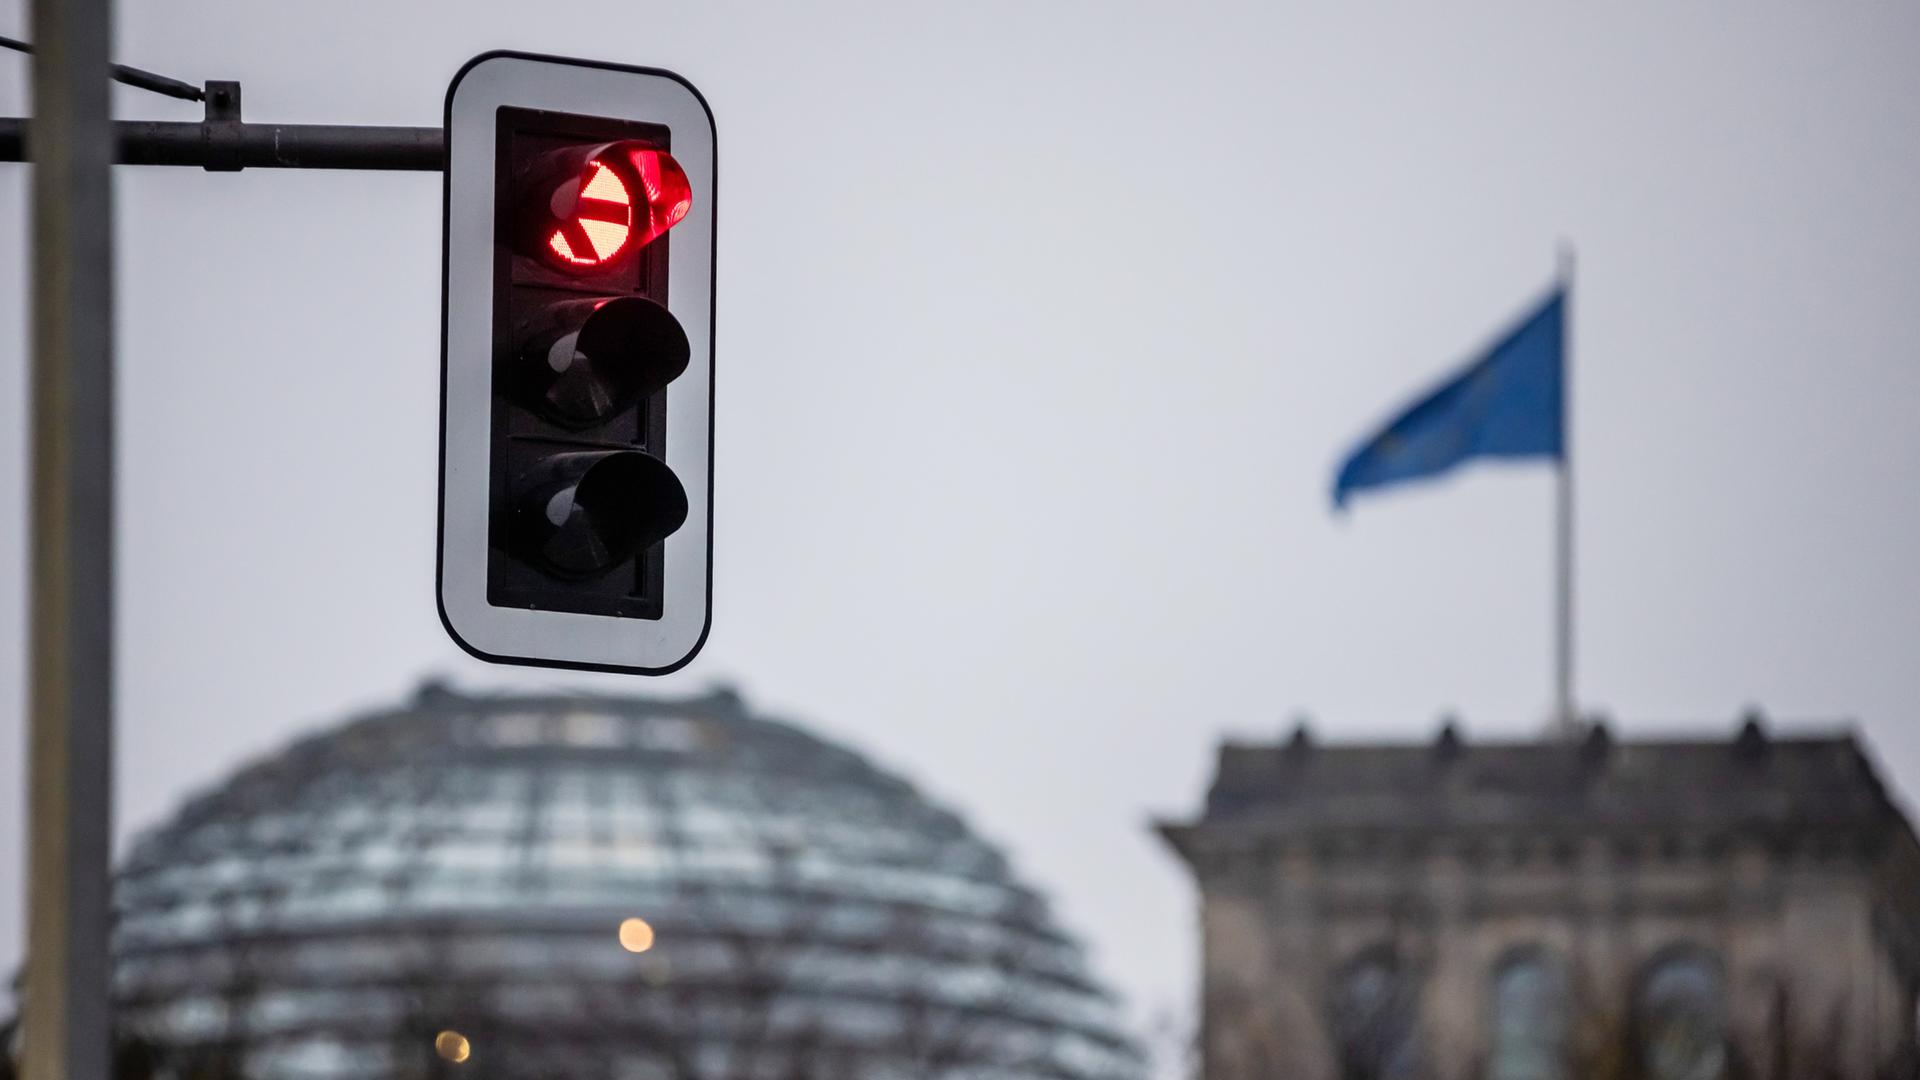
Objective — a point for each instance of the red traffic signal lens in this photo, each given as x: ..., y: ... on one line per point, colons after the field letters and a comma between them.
x: 618, y: 201
x: 593, y: 215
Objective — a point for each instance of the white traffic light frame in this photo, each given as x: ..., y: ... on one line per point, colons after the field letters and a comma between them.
x: 555, y: 638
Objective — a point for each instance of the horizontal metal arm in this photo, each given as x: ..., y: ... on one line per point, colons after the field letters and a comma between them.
x: 228, y: 146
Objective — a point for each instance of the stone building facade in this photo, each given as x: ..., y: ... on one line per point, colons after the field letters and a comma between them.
x: 1746, y: 907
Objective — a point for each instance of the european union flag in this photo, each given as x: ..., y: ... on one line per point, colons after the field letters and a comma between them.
x: 1508, y: 403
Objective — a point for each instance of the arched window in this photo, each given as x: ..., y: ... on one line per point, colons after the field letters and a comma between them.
x: 1530, y: 1019
x: 1375, y: 1013
x: 1680, y: 1018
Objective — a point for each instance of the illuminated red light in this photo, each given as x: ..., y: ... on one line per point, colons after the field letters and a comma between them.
x: 596, y: 226
x: 622, y: 200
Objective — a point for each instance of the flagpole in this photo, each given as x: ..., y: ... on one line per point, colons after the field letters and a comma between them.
x: 1564, y: 716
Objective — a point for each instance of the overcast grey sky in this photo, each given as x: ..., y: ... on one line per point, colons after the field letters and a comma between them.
x: 1040, y: 330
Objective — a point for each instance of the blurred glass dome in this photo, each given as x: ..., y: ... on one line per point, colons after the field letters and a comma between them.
x: 567, y: 886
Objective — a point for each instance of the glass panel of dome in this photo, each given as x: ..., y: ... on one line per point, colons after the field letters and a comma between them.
x: 317, y: 1056
x: 592, y: 729
x: 195, y: 1017
x: 381, y: 854
x: 517, y: 729
x: 571, y: 853
x: 468, y: 855
x: 631, y: 853
x: 675, y: 734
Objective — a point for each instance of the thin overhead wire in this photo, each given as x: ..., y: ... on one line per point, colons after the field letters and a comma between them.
x: 131, y: 76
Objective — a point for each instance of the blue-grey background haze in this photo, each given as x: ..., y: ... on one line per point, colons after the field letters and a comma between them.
x: 1040, y: 329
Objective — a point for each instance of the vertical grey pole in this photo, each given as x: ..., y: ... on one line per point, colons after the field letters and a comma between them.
x: 1564, y: 717
x: 66, y: 1023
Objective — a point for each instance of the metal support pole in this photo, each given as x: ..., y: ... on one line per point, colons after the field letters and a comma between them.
x: 231, y: 145
x: 66, y: 1005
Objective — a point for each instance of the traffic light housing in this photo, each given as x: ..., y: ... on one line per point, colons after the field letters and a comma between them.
x: 576, y: 479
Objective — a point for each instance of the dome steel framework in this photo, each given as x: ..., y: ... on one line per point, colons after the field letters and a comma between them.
x: 592, y: 887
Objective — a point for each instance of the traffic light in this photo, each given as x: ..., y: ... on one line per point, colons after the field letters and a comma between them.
x: 577, y: 367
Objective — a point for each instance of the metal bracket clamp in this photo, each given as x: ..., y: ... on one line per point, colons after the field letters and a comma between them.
x: 223, y: 133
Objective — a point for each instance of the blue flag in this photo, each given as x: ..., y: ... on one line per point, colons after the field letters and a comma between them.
x: 1508, y: 403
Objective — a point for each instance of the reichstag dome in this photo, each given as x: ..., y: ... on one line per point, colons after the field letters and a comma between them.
x: 591, y: 887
